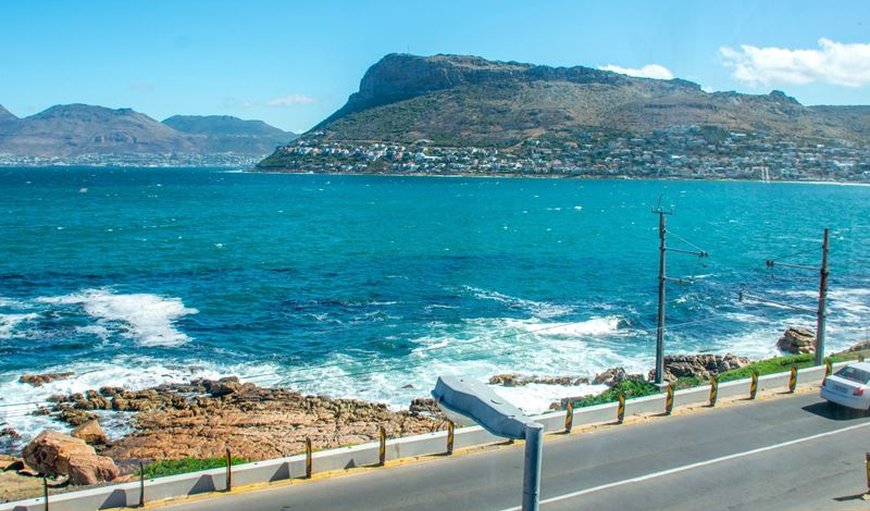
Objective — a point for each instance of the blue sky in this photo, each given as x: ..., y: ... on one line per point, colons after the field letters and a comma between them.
x: 292, y: 63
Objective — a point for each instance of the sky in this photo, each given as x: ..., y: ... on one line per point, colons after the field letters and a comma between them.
x: 292, y: 63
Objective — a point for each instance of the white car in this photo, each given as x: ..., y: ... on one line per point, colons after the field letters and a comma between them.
x: 849, y: 387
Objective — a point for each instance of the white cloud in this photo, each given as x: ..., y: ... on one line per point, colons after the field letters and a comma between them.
x: 833, y: 62
x: 648, y: 71
x: 291, y: 100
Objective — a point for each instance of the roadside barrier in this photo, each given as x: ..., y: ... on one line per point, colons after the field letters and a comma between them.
x: 309, y: 465
x: 569, y: 416
x: 128, y: 495
x: 669, y: 399
x: 620, y: 409
x: 714, y: 390
x: 382, y: 448
x: 753, y: 385
x: 450, y: 437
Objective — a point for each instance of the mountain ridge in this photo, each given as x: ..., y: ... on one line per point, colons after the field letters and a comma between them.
x: 73, y: 130
x: 420, y: 95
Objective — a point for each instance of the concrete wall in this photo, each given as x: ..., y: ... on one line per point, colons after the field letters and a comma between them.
x: 127, y: 494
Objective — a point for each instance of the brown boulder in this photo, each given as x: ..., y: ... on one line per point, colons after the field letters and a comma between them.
x: 703, y: 366
x: 797, y: 340
x: 55, y: 454
x: 611, y: 377
x: 91, y: 433
x: 861, y: 346
x: 37, y: 380
x: 507, y: 380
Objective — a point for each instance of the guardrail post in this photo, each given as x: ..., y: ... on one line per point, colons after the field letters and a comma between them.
x: 229, y: 470
x: 382, y: 451
x: 45, y: 491
x: 569, y: 416
x: 829, y: 368
x: 309, y: 465
x: 141, y: 485
x: 792, y: 380
x: 866, y: 463
x: 669, y: 399
x: 714, y: 390
x: 450, y: 437
x: 753, y: 385
x: 620, y: 408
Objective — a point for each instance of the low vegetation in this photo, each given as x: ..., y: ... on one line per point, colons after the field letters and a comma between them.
x: 185, y: 465
x: 631, y: 388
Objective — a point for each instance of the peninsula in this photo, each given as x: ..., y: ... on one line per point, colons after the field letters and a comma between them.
x: 451, y: 114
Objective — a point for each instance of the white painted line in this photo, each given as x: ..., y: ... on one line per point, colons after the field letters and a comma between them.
x: 694, y: 465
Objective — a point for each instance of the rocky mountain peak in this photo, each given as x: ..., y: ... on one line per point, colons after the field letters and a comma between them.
x: 6, y: 115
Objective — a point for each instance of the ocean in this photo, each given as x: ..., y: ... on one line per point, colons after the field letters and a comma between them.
x: 372, y: 286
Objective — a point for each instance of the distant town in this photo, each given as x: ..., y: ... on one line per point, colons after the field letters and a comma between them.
x: 690, y: 152
x: 230, y: 160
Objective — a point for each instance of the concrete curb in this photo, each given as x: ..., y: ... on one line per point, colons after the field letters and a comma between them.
x: 293, y: 467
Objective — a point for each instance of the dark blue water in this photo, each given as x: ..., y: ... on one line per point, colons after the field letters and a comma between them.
x: 372, y: 286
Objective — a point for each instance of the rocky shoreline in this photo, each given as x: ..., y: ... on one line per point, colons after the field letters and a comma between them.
x: 203, y: 418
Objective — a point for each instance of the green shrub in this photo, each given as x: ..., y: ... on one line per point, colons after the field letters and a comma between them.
x: 185, y: 465
x: 631, y: 389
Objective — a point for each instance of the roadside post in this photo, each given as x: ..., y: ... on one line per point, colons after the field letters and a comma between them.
x: 45, y: 491
x: 669, y: 399
x: 714, y: 390
x: 450, y: 437
x: 569, y: 416
x: 753, y: 385
x: 229, y: 470
x: 309, y: 452
x: 382, y: 448
x: 620, y: 408
x: 469, y: 401
x: 792, y: 379
x: 141, y: 484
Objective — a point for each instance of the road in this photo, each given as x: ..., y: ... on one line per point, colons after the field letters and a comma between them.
x: 783, y: 453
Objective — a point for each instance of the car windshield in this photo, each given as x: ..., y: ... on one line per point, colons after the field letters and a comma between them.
x: 854, y: 374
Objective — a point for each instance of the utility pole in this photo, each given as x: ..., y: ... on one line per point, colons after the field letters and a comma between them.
x: 823, y: 295
x: 663, y: 278
x: 823, y: 300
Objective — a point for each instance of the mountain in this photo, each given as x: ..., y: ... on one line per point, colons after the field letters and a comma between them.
x: 448, y: 114
x: 70, y: 131
x: 6, y: 115
x: 455, y: 100
x: 223, y: 133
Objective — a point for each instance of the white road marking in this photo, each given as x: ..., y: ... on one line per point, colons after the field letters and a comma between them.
x: 694, y: 465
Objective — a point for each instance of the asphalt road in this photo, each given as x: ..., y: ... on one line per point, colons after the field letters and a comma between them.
x: 786, y: 453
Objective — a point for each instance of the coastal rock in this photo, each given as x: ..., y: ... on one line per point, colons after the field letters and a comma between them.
x: 9, y: 433
x: 515, y: 380
x: 38, y: 380
x: 507, y: 380
x: 797, y: 340
x: 861, y: 346
x: 425, y: 405
x: 610, y: 377
x: 703, y: 366
x: 199, y: 419
x: 10, y: 463
x: 54, y: 454
x: 91, y: 433
x: 74, y: 416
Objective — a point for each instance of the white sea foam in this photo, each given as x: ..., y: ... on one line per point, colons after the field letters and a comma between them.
x: 147, y: 318
x: 538, y: 309
x: 10, y: 322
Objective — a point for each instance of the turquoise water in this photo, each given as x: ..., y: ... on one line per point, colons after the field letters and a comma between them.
x: 372, y: 286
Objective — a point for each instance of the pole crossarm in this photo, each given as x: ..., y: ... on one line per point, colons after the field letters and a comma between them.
x: 770, y: 264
